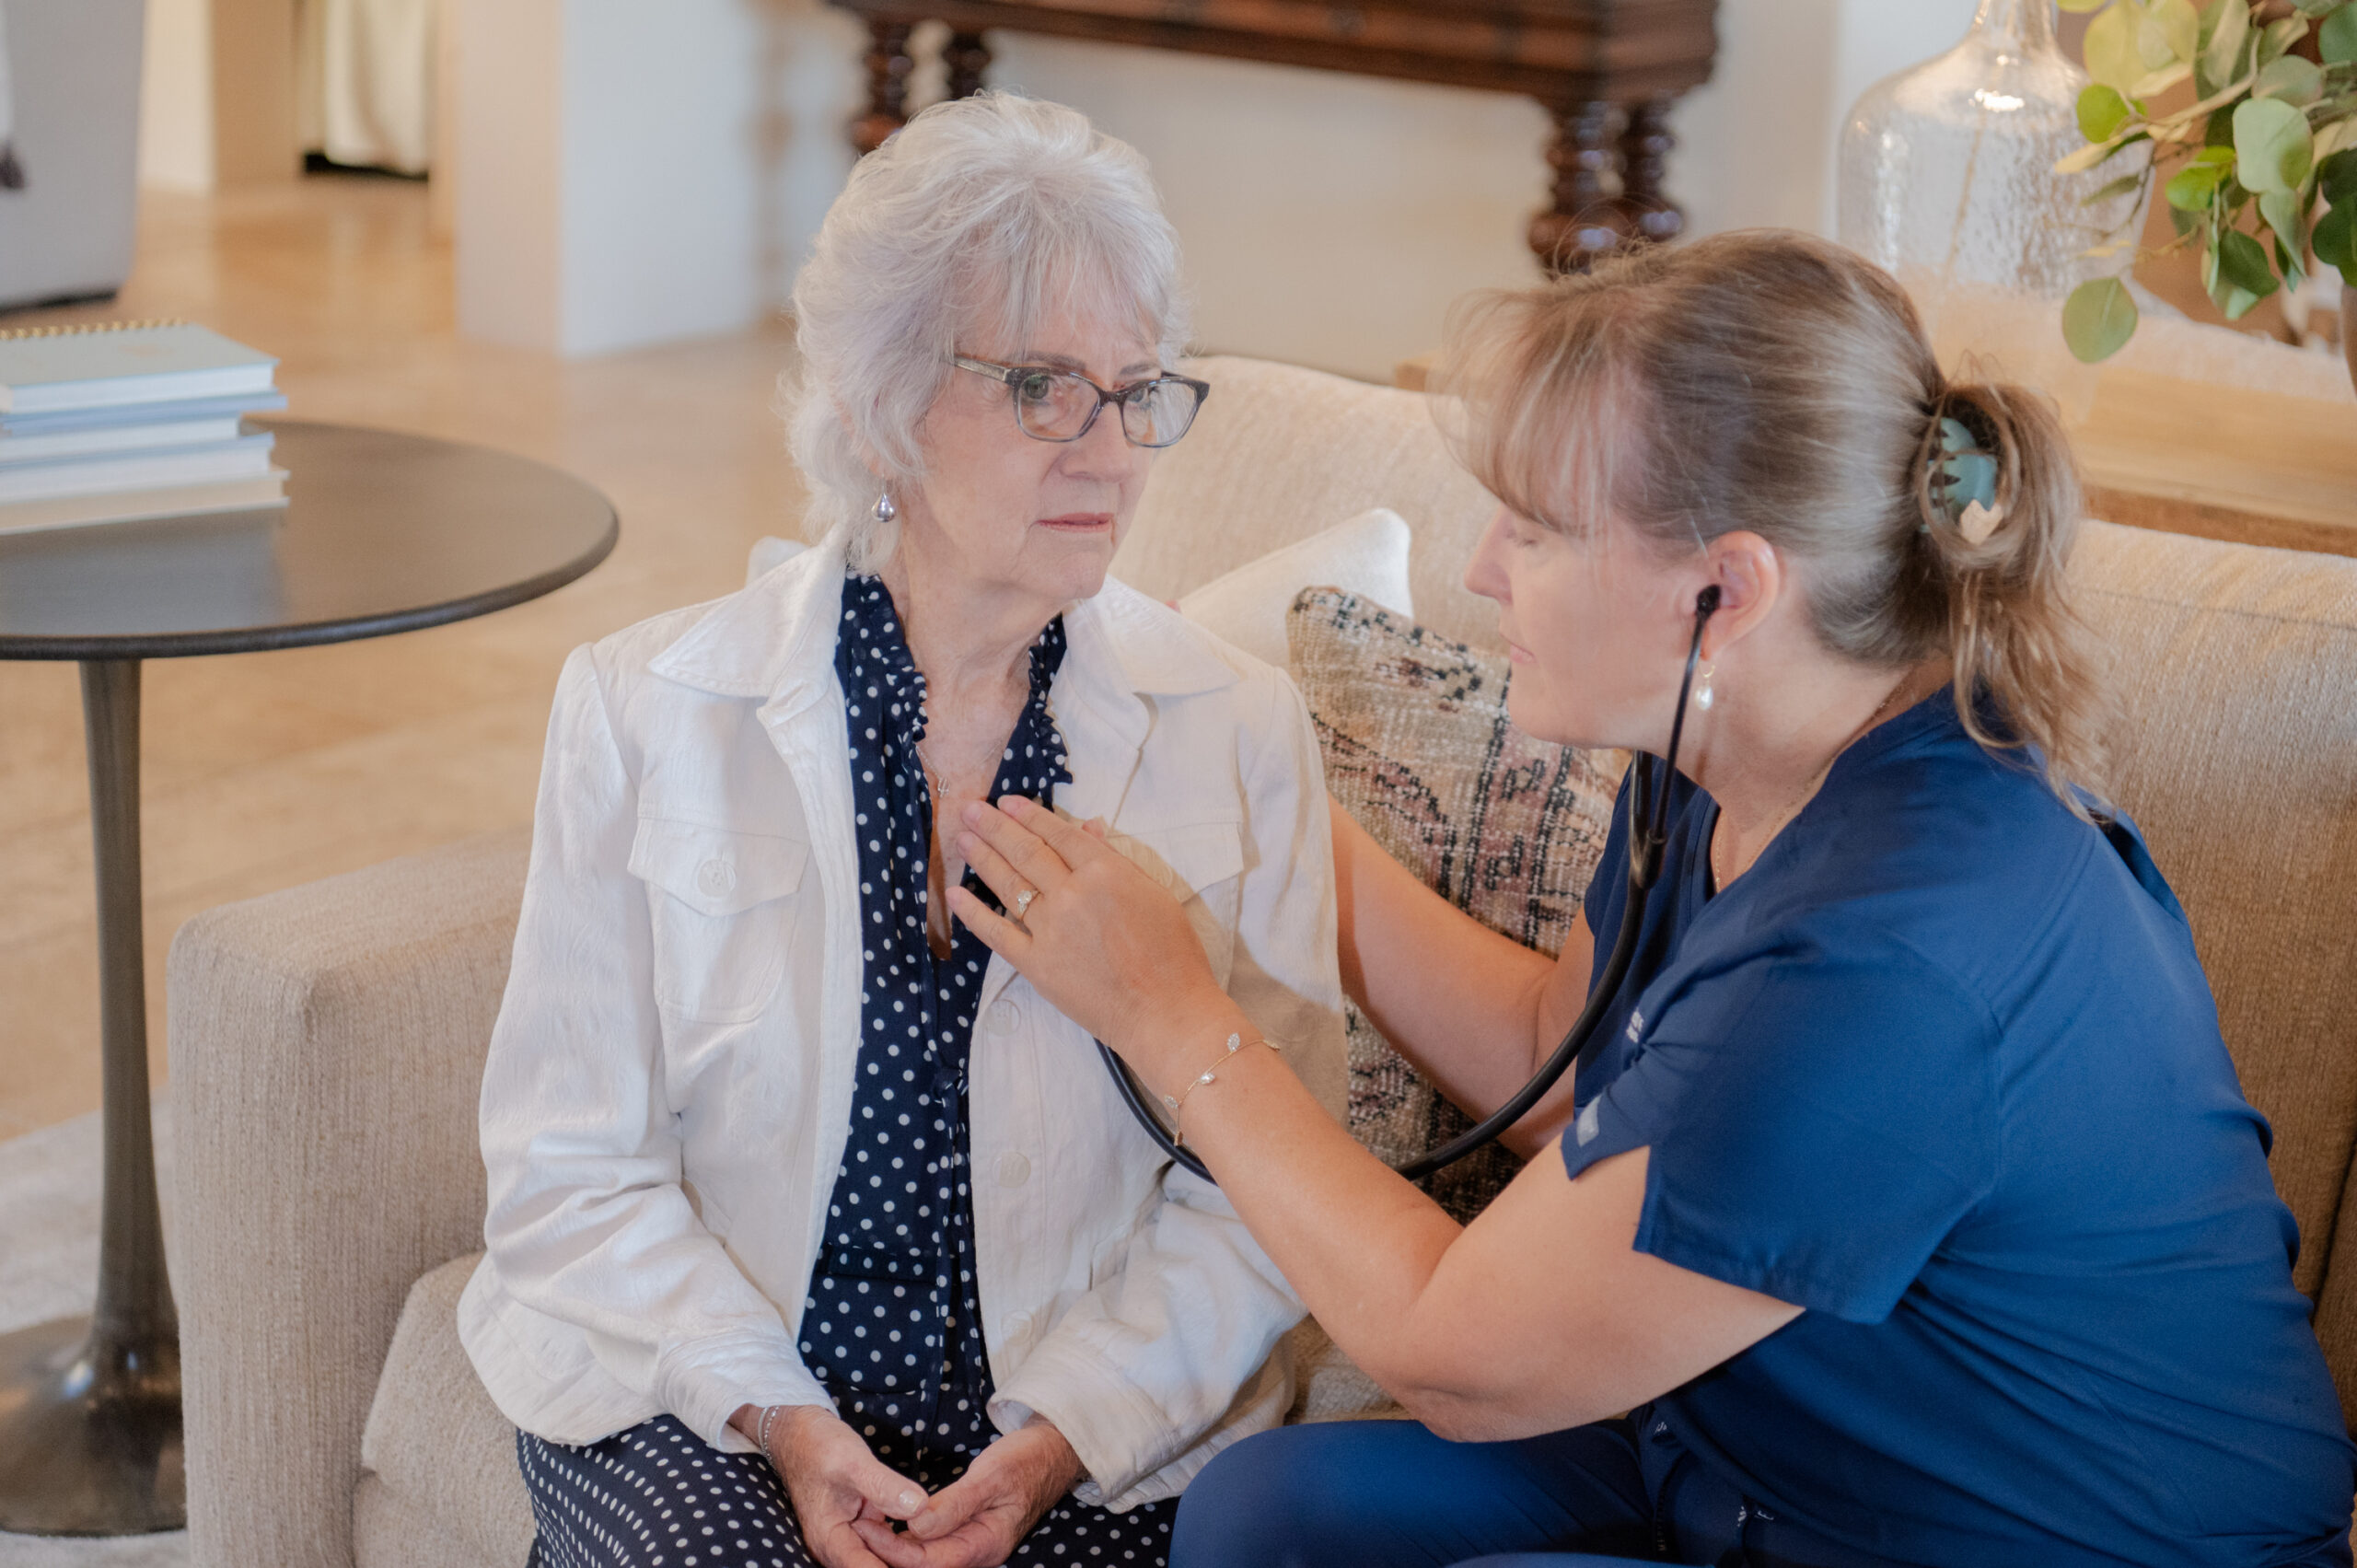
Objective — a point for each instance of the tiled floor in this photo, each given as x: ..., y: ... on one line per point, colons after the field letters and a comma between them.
x: 266, y: 769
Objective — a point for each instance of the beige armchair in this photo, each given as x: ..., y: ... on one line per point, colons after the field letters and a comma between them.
x: 327, y: 1041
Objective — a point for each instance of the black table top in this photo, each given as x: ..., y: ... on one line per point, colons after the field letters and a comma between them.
x: 382, y: 532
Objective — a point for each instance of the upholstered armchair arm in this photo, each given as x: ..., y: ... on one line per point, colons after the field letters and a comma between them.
x: 327, y: 1048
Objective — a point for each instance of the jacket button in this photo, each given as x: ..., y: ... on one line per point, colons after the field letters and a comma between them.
x: 1001, y: 1017
x: 1018, y: 1329
x: 1014, y: 1170
x: 715, y: 876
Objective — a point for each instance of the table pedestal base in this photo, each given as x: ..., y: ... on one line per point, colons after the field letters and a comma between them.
x: 89, y: 1433
x: 91, y: 1409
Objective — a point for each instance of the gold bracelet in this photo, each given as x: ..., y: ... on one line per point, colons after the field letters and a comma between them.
x: 1177, y: 1103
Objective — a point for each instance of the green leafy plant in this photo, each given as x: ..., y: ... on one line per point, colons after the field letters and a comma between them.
x: 2259, y: 170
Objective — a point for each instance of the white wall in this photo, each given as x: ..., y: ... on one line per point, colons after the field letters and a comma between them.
x: 686, y: 152
x: 176, y: 97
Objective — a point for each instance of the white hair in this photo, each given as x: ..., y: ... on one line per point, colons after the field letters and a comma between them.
x: 988, y: 213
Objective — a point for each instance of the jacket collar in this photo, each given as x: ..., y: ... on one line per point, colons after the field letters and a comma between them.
x: 775, y: 639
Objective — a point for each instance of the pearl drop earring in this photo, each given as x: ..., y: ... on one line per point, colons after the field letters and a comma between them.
x: 885, y: 510
x: 1703, y: 695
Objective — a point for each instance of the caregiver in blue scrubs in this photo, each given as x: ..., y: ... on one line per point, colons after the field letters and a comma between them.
x: 1906, y: 1209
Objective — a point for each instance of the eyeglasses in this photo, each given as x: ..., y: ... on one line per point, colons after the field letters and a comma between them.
x: 1061, y: 406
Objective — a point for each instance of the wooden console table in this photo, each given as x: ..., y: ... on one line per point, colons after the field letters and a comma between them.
x: 1606, y: 70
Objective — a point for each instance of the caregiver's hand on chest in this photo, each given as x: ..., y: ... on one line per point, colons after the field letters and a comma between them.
x: 1100, y: 939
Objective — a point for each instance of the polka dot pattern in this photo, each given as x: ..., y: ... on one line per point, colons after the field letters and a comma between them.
x: 894, y: 1318
x: 656, y: 1496
x: 893, y: 1324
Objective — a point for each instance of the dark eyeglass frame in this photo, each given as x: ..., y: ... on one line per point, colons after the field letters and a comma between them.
x: 1127, y: 397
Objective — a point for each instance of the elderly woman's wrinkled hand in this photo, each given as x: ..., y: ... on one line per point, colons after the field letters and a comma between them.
x: 1101, y: 940
x: 977, y: 1520
x: 837, y: 1484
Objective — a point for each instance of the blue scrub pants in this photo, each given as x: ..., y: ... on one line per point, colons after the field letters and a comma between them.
x: 1389, y: 1494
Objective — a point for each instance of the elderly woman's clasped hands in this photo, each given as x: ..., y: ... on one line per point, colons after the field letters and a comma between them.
x: 847, y: 1500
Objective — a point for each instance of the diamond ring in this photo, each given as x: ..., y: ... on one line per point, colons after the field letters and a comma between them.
x: 1023, y: 902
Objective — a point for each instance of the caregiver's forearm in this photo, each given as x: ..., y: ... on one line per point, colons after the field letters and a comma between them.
x: 1358, y: 1243
x: 1474, y: 1011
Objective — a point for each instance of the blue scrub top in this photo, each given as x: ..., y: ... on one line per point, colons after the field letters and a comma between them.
x: 1942, y: 1070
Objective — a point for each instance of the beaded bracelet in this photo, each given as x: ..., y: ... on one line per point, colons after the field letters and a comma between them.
x: 1177, y: 1103
x: 769, y: 1414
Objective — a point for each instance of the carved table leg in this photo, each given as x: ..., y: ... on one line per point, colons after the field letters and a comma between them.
x: 1587, y: 221
x: 889, y: 64
x: 968, y: 57
x: 1645, y: 150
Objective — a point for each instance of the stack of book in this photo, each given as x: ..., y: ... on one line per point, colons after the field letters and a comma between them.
x: 122, y: 420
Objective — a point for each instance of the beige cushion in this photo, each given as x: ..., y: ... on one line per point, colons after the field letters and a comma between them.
x: 327, y: 1048
x: 436, y: 1446
x: 1279, y: 453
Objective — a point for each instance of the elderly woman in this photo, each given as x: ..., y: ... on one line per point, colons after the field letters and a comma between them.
x: 815, y: 1234
x: 1904, y: 1208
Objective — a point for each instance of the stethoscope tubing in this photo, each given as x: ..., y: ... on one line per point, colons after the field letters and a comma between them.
x: 1648, y: 829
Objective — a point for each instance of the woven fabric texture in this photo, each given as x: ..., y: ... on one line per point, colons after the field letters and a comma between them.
x: 326, y: 1048
x: 434, y: 1443
x: 1418, y: 749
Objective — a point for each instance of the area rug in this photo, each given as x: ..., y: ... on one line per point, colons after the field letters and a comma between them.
x: 49, y: 1262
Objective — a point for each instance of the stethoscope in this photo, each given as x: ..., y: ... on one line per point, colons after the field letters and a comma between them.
x: 1648, y: 795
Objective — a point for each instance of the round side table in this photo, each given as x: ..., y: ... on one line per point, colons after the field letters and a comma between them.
x: 382, y: 532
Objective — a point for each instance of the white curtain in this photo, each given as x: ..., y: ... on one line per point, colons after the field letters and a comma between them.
x: 365, y: 81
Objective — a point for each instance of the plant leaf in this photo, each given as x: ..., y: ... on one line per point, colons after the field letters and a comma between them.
x: 2084, y: 5
x: 2192, y: 189
x: 2315, y: 7
x: 2161, y: 80
x: 2272, y: 149
x: 2279, y: 37
x: 2335, y: 239
x: 2337, y: 176
x: 2120, y: 187
x: 2110, y: 52
x: 2102, y: 111
x: 2242, y: 262
x: 2287, y: 263
x: 2337, y: 38
x: 2293, y: 79
x: 2087, y: 157
x: 2099, y: 319
x: 2286, y: 213
x: 2170, y: 30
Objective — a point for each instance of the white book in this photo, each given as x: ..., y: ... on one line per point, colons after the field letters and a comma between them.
x: 118, y: 438
x: 141, y: 413
x: 241, y: 459
x: 109, y: 364
x: 131, y: 506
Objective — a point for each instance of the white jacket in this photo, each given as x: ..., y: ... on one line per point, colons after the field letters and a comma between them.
x: 669, y: 1085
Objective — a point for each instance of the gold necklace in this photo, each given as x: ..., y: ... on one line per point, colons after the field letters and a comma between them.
x: 932, y: 774
x: 1791, y: 807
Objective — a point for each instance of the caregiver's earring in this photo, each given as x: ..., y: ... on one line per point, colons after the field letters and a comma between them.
x: 885, y: 510
x: 1703, y: 695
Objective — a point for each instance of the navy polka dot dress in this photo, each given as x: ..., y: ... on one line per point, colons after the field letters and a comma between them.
x: 893, y: 1323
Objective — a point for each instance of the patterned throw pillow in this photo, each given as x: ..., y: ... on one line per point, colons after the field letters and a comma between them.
x: 1418, y: 749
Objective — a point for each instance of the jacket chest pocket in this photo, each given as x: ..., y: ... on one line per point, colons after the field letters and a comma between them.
x: 722, y: 914
x: 1203, y: 864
